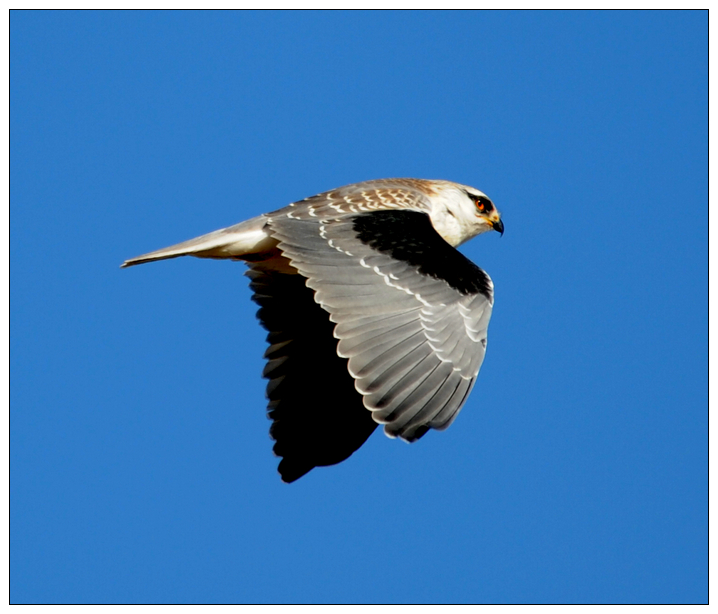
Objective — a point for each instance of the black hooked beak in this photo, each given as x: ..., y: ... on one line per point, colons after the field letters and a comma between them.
x: 498, y: 227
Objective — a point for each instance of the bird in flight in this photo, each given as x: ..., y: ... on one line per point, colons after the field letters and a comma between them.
x: 373, y: 316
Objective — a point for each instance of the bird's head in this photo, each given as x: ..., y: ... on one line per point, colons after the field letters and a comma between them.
x: 486, y: 215
x: 460, y: 212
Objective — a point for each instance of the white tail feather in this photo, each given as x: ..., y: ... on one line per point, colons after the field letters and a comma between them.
x: 243, y: 239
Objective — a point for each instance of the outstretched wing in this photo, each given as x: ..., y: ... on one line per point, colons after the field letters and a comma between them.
x: 317, y: 416
x: 411, y: 312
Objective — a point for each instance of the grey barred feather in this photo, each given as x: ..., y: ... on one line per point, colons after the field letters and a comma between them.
x: 405, y: 334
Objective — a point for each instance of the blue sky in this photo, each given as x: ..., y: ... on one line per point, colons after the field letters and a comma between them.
x: 141, y: 466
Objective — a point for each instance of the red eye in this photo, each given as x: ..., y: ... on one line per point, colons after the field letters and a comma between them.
x: 480, y: 206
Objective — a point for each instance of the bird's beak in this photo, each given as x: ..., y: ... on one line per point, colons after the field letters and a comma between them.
x: 498, y: 226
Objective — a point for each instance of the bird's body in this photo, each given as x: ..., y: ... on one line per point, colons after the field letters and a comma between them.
x: 373, y: 316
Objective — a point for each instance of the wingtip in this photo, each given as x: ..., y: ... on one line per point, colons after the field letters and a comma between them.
x: 291, y: 472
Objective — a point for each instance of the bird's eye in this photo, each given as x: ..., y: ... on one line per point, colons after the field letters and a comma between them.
x: 482, y: 204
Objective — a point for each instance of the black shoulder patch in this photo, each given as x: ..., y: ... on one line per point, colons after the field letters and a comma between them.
x: 409, y: 236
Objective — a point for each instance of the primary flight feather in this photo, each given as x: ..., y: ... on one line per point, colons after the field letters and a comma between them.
x: 373, y: 316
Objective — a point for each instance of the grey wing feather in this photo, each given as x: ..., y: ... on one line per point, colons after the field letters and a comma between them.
x: 414, y: 344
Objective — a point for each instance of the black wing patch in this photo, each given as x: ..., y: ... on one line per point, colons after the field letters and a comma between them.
x: 409, y: 236
x: 318, y: 417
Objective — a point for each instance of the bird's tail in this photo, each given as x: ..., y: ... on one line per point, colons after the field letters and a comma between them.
x: 243, y: 239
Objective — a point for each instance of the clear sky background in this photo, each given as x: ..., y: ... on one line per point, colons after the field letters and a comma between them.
x: 141, y: 465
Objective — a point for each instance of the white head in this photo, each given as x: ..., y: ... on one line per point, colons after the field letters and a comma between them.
x: 460, y: 212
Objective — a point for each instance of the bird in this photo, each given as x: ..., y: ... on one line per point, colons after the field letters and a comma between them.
x: 372, y: 314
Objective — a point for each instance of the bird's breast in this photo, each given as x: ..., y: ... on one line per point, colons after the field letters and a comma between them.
x: 450, y: 228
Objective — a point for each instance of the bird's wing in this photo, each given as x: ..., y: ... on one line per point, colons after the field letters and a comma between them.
x: 317, y: 416
x: 411, y: 312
